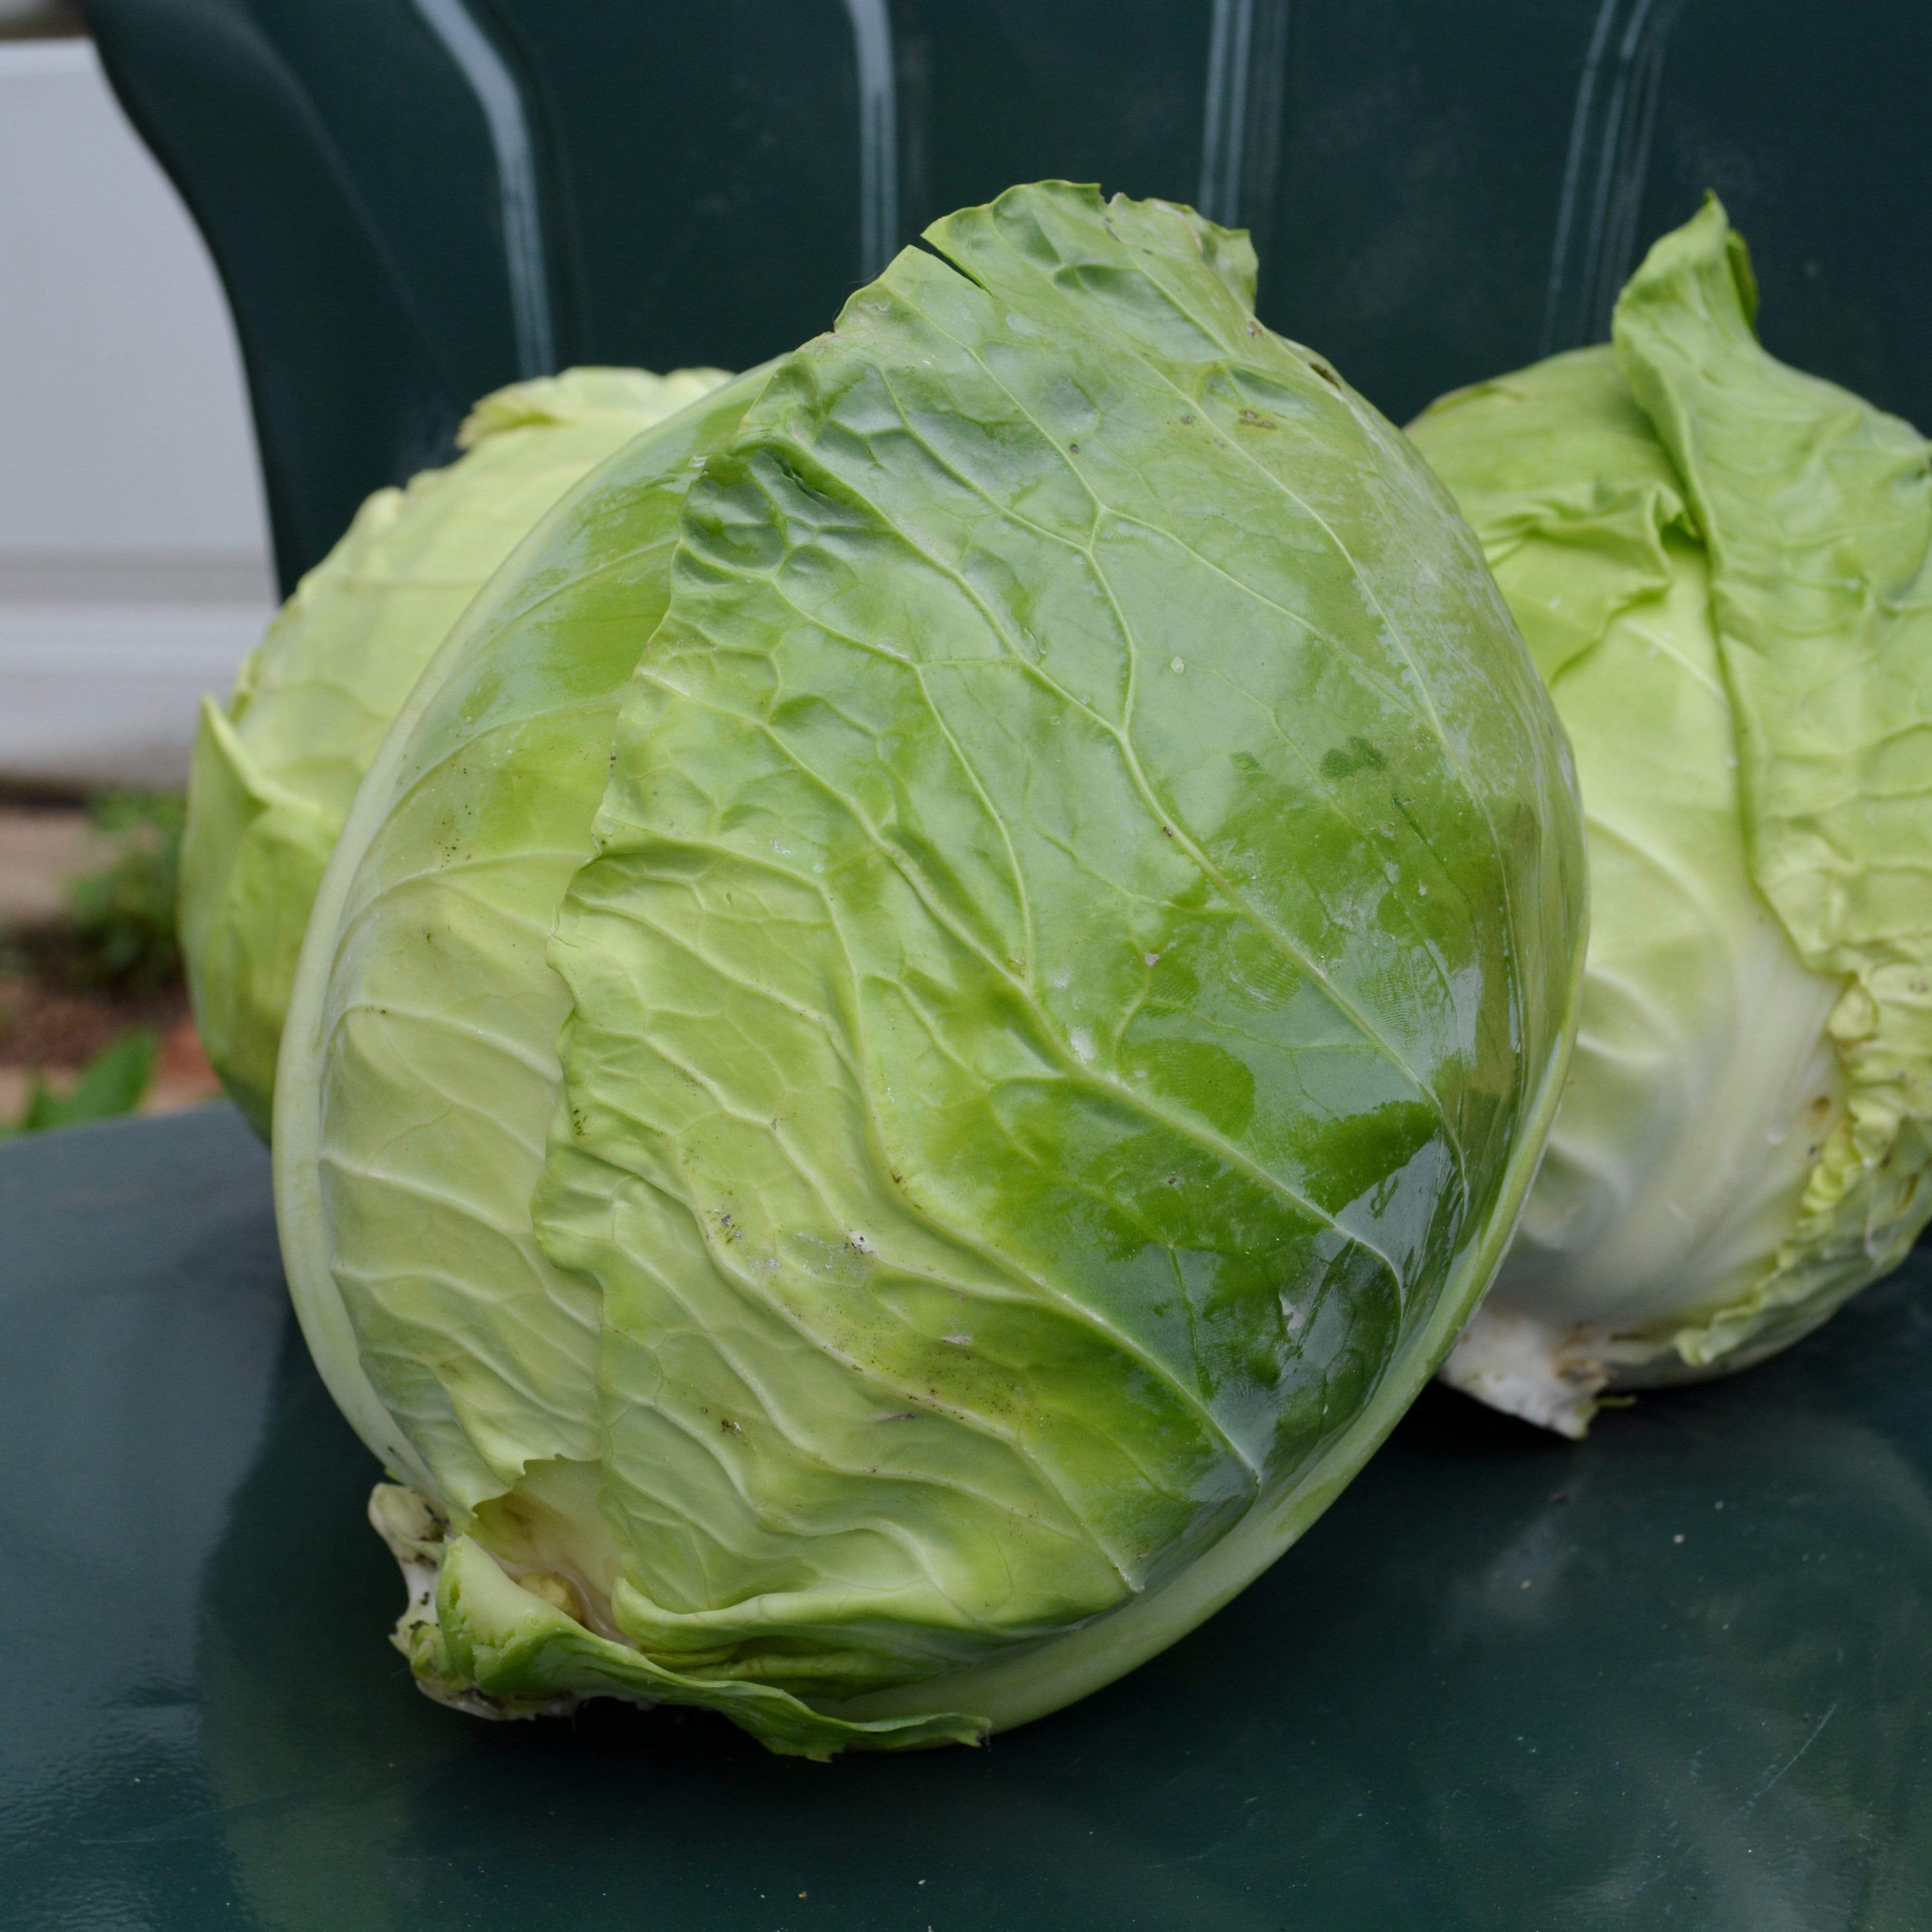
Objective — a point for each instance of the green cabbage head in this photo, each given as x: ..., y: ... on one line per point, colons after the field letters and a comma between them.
x: 935, y: 1013
x: 1723, y: 570
x: 275, y: 769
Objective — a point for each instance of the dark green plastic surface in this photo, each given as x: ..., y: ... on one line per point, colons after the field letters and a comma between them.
x: 1492, y: 1690
x: 413, y: 201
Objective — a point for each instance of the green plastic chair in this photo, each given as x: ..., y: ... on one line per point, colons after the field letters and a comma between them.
x: 411, y: 201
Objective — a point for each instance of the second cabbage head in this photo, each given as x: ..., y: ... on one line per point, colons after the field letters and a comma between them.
x: 275, y: 769
x: 936, y: 1010
x: 1723, y: 569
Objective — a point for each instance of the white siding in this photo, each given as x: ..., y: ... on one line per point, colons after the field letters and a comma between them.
x: 134, y: 551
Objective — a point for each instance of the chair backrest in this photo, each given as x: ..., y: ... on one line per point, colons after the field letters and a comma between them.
x: 412, y: 201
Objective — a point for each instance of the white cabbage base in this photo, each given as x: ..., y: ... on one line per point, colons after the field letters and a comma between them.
x: 1642, y: 1225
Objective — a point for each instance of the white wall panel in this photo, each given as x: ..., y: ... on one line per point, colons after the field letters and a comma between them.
x: 133, y: 550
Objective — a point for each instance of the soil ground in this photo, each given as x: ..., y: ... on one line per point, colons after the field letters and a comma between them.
x: 56, y: 1029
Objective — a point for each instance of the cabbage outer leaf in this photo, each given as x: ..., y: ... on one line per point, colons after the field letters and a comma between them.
x: 1816, y: 510
x: 497, y: 1646
x: 425, y: 1068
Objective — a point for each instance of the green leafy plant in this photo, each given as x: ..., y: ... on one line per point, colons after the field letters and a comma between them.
x: 120, y: 933
x: 1723, y: 567
x: 935, y: 1011
x: 112, y: 1084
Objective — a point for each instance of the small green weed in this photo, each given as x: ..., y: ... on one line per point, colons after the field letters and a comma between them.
x: 111, y: 1084
x: 121, y: 915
